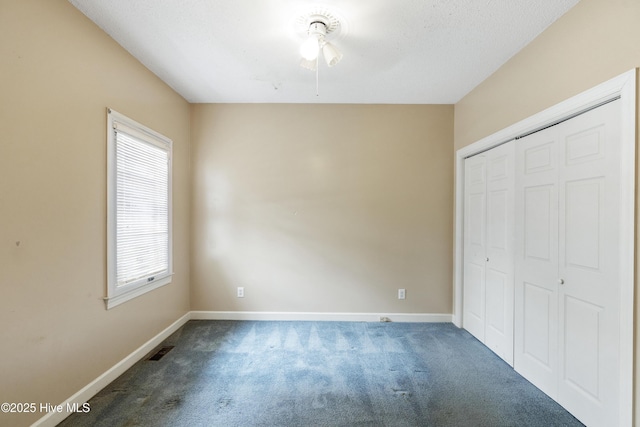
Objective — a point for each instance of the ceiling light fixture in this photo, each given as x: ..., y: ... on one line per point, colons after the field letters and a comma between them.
x: 319, y: 26
x: 311, y: 47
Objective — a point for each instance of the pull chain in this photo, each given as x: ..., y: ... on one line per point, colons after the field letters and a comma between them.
x: 317, y: 70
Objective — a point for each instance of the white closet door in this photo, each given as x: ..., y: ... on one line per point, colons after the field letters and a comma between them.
x: 488, y: 249
x: 567, y: 286
x: 536, y: 266
x: 499, y: 251
x: 474, y: 245
x: 589, y: 194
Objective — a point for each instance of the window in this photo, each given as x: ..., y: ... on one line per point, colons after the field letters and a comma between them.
x: 139, y: 256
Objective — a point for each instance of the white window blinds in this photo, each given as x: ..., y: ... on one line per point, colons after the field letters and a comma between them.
x: 139, y: 217
x: 142, y: 216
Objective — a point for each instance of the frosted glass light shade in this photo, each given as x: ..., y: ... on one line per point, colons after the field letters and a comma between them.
x: 310, y: 48
x: 331, y: 54
x: 309, y: 64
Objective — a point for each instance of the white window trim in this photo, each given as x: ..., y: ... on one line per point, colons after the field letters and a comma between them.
x: 118, y: 295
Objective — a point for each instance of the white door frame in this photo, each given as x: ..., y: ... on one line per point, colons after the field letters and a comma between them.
x: 623, y: 86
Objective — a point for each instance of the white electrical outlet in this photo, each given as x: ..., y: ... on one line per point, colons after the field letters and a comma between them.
x: 401, y: 293
x: 240, y: 292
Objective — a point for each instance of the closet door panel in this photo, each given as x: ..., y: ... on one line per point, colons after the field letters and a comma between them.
x: 538, y: 305
x: 567, y: 263
x: 540, y: 215
x: 499, y: 251
x: 475, y: 246
x: 536, y: 260
x: 588, y: 270
x: 497, y: 300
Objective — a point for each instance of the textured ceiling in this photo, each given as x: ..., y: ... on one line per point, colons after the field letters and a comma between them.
x: 395, y: 51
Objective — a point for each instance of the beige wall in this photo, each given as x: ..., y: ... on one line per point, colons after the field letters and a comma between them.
x: 322, y: 208
x: 58, y: 73
x: 593, y: 42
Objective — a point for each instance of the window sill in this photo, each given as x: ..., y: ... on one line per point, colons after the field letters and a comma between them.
x: 115, y: 300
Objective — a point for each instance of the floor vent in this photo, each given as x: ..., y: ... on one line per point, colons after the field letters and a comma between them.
x: 161, y: 353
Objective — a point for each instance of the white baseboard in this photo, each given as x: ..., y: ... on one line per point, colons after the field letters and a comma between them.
x: 345, y: 317
x: 91, y: 389
x: 54, y: 418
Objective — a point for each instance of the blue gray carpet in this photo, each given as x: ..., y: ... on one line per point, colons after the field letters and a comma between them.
x: 245, y: 373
